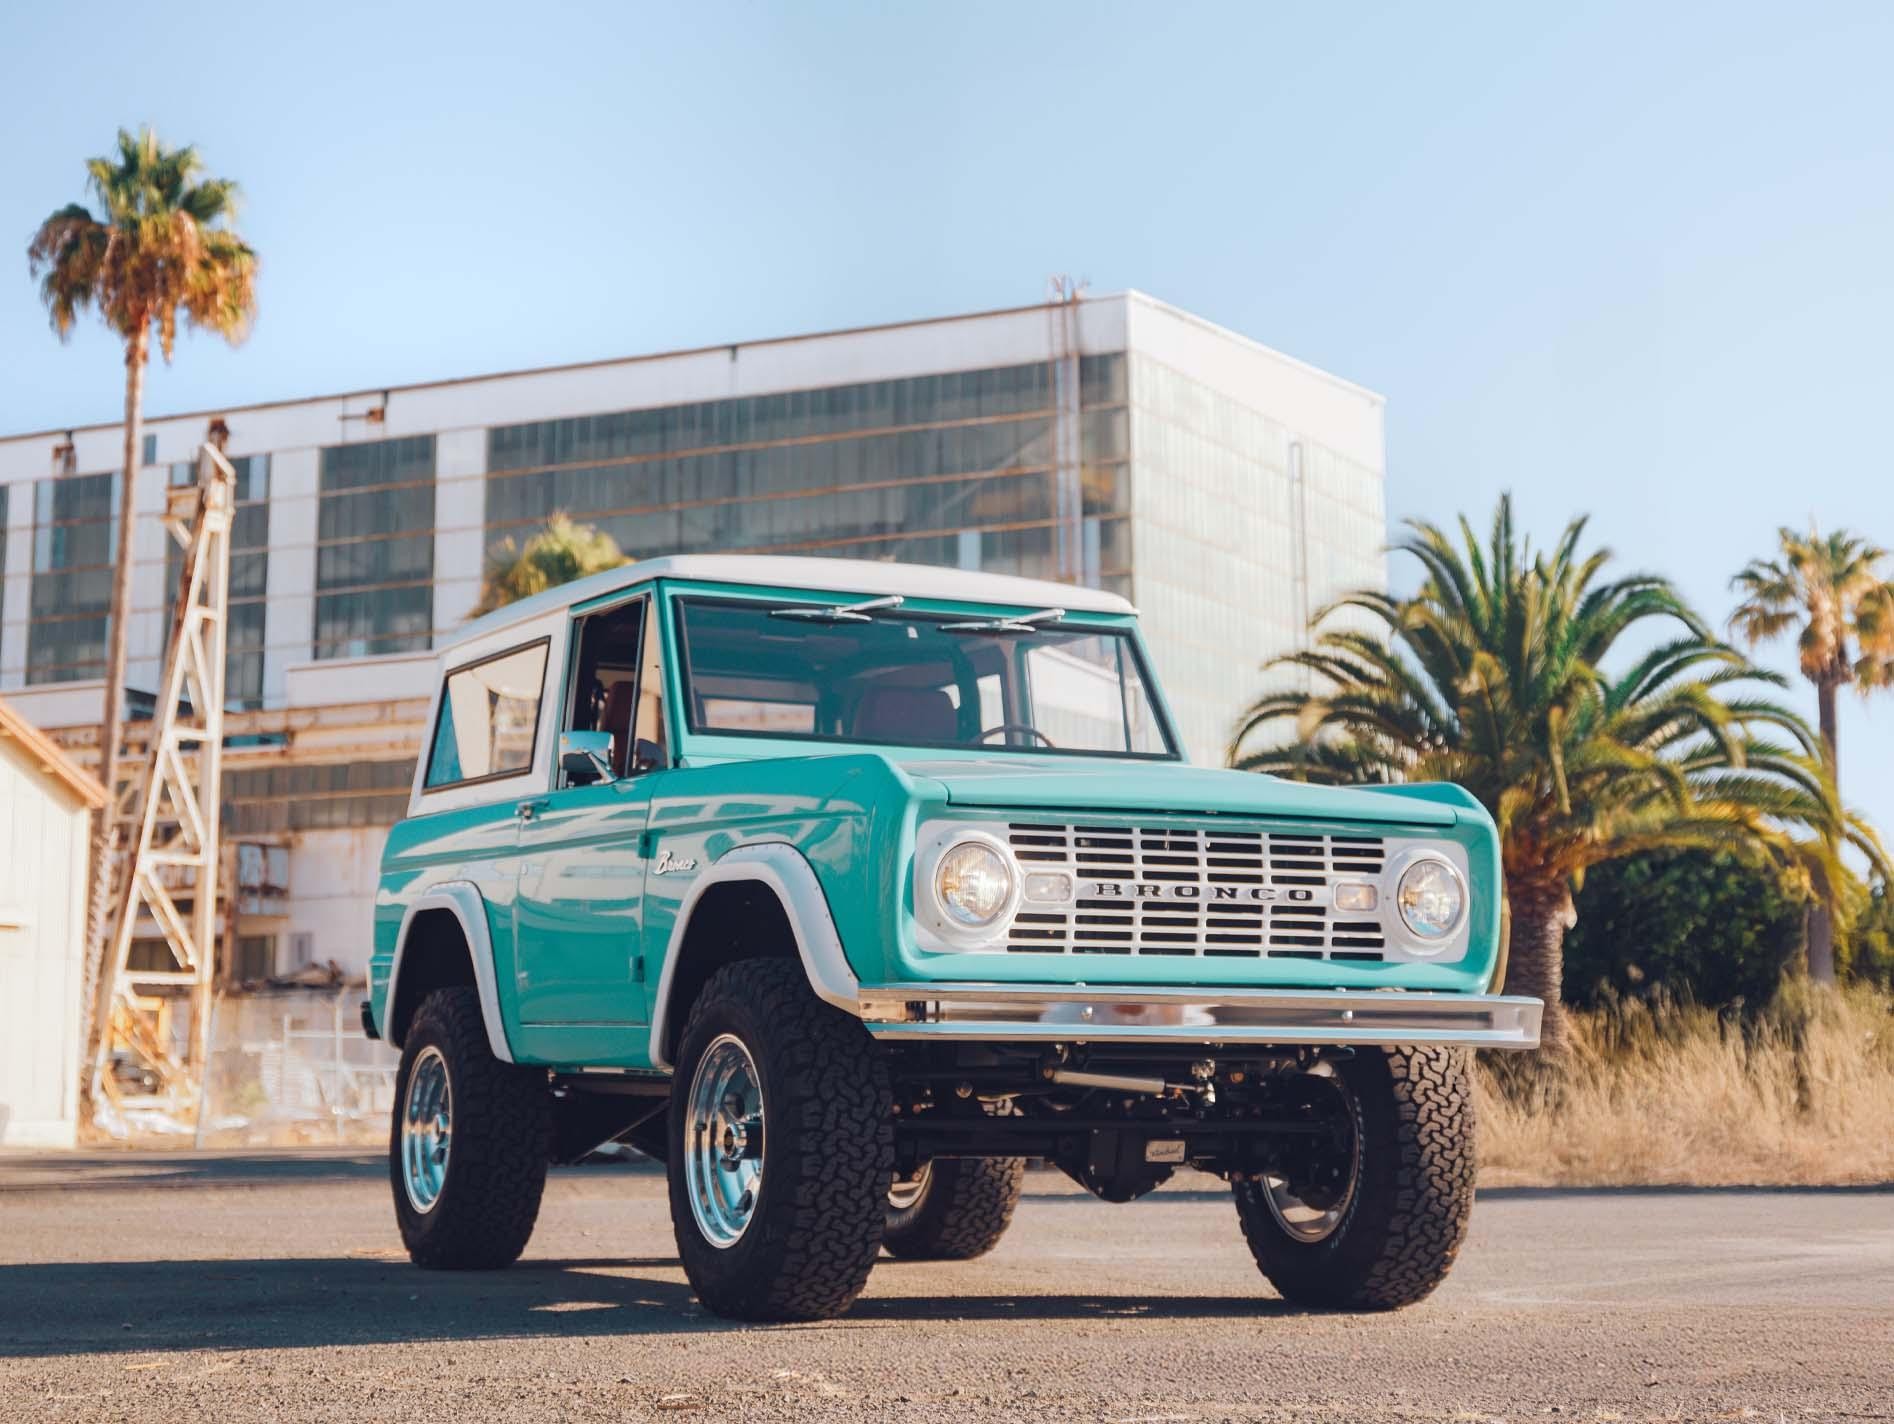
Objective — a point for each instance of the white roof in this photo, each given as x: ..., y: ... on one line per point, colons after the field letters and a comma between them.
x: 842, y: 576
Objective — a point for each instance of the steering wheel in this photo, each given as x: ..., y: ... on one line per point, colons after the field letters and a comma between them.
x: 995, y: 730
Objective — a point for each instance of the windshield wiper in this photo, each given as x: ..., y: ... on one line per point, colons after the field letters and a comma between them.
x: 1024, y: 623
x: 839, y: 612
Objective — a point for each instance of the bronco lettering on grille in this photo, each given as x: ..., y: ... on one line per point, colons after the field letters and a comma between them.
x: 1150, y: 890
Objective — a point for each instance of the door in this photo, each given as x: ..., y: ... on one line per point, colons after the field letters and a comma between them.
x: 490, y: 727
x: 579, y: 909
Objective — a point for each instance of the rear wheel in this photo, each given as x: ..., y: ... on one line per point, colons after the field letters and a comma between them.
x: 953, y: 1208
x: 1369, y: 1215
x: 469, y: 1144
x: 781, y: 1147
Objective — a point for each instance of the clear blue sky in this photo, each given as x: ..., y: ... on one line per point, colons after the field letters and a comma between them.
x: 1632, y: 260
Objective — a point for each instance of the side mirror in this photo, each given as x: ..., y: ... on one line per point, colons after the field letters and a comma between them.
x: 586, y: 757
x: 646, y: 755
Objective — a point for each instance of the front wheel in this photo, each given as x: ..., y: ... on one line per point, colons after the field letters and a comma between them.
x: 953, y: 1208
x: 470, y: 1141
x: 1370, y: 1214
x: 781, y: 1147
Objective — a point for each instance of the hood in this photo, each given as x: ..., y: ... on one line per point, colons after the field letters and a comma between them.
x: 1094, y: 784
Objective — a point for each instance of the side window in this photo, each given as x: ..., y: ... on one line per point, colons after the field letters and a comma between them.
x: 617, y: 686
x: 489, y: 718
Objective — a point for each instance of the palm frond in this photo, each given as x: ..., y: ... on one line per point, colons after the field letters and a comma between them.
x: 159, y: 249
x: 1503, y: 672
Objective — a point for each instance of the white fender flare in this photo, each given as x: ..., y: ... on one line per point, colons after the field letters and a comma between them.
x: 463, y: 899
x: 786, y: 872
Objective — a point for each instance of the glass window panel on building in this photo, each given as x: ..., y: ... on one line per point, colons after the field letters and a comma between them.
x: 256, y: 958
x: 375, y: 548
x: 249, y: 576
x: 331, y: 796
x: 75, y: 527
x: 928, y: 469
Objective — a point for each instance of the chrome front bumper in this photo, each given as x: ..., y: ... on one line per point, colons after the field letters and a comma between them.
x: 1069, y: 1013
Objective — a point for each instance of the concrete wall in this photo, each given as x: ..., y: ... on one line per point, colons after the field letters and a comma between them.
x: 1256, y: 500
x: 43, y: 856
x: 332, y: 875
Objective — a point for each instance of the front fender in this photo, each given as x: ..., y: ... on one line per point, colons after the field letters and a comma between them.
x: 463, y: 900
x: 791, y: 878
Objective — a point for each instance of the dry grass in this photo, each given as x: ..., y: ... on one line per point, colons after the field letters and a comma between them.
x: 1668, y: 1094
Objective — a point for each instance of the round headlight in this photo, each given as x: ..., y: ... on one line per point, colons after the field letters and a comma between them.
x: 974, y: 883
x: 1432, y: 898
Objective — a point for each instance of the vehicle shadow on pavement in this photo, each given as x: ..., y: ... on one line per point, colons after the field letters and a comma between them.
x: 126, y: 1307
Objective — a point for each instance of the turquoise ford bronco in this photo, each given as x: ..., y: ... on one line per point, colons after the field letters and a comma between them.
x: 843, y: 889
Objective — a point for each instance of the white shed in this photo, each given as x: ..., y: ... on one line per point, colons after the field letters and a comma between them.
x: 46, y: 803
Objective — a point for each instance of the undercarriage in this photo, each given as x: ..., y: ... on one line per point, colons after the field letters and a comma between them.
x: 1121, y: 1119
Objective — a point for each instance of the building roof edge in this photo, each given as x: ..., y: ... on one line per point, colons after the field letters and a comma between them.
x: 1133, y: 294
x: 557, y: 368
x: 50, y: 757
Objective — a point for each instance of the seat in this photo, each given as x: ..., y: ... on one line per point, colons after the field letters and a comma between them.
x: 619, y: 703
x: 906, y: 714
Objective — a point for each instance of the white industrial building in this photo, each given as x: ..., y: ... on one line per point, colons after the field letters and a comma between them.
x: 1226, y: 489
x: 46, y: 803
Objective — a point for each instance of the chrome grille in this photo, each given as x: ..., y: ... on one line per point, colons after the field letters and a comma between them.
x: 1226, y: 873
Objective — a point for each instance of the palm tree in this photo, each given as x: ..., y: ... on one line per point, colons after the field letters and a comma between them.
x: 1493, y: 676
x: 558, y: 553
x: 1831, y: 586
x: 161, y: 246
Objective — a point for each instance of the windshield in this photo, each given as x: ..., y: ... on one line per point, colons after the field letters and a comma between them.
x: 900, y: 679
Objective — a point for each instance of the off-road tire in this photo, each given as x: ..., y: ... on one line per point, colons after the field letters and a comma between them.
x: 828, y: 1149
x: 501, y: 1143
x: 1414, y: 1192
x: 962, y: 1212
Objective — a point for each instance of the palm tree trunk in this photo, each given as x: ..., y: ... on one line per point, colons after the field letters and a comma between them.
x: 1825, y: 700
x: 1535, y: 964
x: 1820, y: 932
x: 1821, y: 914
x: 100, y: 908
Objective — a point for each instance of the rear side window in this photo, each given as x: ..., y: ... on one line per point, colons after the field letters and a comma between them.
x: 489, y: 718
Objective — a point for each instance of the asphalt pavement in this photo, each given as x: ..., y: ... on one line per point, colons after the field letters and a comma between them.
x: 235, y: 1288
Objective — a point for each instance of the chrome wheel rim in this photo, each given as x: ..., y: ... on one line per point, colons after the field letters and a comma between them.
x: 1305, y: 1221
x: 723, y: 1141
x: 427, y: 1129
x: 904, y: 1192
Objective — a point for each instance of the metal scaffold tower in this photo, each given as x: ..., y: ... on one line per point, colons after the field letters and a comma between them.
x: 171, y: 829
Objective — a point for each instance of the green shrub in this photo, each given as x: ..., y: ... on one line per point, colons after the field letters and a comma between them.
x: 1694, y: 925
x: 1866, y: 949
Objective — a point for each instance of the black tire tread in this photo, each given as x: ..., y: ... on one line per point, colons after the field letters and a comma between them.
x: 829, y: 1145
x: 967, y: 1207
x: 502, y: 1139
x: 1411, y: 1217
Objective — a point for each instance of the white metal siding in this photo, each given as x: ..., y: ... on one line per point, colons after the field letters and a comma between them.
x: 43, y: 853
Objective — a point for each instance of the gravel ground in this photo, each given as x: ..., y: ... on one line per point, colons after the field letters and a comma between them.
x: 273, y: 1288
